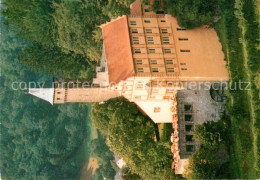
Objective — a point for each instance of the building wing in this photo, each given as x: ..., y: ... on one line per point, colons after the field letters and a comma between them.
x: 118, y: 49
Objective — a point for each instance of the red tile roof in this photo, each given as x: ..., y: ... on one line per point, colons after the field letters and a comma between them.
x: 136, y: 8
x: 118, y: 50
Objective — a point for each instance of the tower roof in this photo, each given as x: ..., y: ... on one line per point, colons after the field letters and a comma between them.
x: 43, y: 93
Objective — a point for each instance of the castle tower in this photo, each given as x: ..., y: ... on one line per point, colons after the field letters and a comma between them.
x: 91, y: 94
x: 71, y: 95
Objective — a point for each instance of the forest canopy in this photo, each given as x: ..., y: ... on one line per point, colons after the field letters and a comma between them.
x: 131, y: 134
x: 38, y: 140
x: 192, y: 13
x: 34, y: 34
x: 106, y: 162
x: 62, y: 36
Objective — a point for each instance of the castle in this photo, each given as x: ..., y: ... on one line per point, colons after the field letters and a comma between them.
x: 146, y: 59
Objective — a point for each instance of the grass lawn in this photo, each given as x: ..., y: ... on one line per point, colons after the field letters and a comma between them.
x: 232, y: 34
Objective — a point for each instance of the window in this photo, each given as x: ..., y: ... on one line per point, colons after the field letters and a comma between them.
x: 150, y: 40
x: 170, y: 90
x: 139, y: 85
x: 155, y: 70
x: 155, y: 91
x: 165, y: 40
x: 139, y: 61
x: 155, y: 83
x: 137, y: 50
x: 188, y: 117
x: 188, y: 128
x: 138, y: 97
x: 163, y: 21
x: 140, y: 69
x: 170, y: 69
x: 147, y: 21
x: 190, y: 148
x: 188, y: 108
x: 183, y: 64
x: 169, y: 83
x: 151, y: 50
x: 147, y: 10
x: 183, y: 39
x: 58, y: 98
x: 135, y: 40
x: 185, y: 50
x: 169, y: 61
x: 164, y: 31
x: 134, y: 30
x: 153, y: 61
x: 148, y: 31
x: 189, y: 138
x: 167, y: 51
x: 184, y: 69
x: 159, y: 12
x: 58, y: 92
x: 156, y: 109
x: 146, y: 3
x: 181, y: 29
x: 133, y: 23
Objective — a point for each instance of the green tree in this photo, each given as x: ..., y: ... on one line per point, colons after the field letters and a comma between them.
x: 39, y: 140
x: 204, y: 164
x: 76, y: 21
x: 54, y: 61
x: 106, y: 165
x: 115, y: 8
x: 32, y: 19
x: 191, y: 14
x: 131, y: 135
x: 211, y: 160
x: 212, y: 133
x: 66, y: 31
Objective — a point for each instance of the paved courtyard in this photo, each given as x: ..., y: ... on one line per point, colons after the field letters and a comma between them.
x: 204, y: 107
